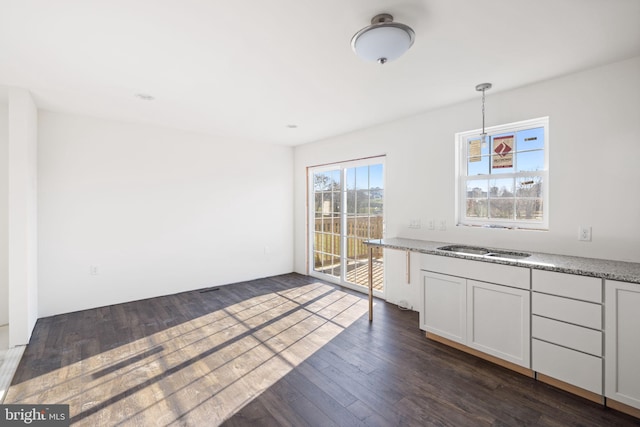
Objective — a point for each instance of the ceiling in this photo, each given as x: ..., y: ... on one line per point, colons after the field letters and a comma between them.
x: 245, y: 70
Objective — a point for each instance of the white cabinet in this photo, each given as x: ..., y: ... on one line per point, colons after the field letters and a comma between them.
x: 498, y: 321
x: 444, y: 302
x: 491, y: 318
x: 622, y: 342
x: 567, y: 329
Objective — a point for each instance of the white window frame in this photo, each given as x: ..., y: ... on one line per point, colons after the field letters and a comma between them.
x: 461, y: 139
x: 342, y: 166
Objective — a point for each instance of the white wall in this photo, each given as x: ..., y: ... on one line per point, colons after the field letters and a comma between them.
x: 4, y: 212
x: 22, y: 215
x: 157, y: 211
x: 594, y: 174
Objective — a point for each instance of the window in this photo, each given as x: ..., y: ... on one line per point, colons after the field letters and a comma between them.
x: 503, y: 181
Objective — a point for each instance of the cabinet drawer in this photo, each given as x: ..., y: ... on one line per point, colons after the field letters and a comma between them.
x: 568, y: 310
x: 518, y: 277
x: 567, y: 365
x: 564, y: 334
x: 567, y: 285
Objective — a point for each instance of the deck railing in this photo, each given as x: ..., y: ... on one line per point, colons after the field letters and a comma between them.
x: 359, y: 228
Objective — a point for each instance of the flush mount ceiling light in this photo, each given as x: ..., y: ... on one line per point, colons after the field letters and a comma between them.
x: 482, y: 87
x: 383, y: 40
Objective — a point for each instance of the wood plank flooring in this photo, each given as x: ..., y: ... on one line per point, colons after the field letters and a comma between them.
x: 287, y: 350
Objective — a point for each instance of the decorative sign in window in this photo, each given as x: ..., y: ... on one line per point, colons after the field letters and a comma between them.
x: 503, y: 152
x: 475, y: 150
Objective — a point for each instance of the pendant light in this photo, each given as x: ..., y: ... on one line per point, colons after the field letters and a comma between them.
x: 383, y: 40
x: 482, y: 87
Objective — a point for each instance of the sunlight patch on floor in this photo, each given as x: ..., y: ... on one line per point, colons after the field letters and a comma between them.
x: 200, y: 372
x: 9, y: 360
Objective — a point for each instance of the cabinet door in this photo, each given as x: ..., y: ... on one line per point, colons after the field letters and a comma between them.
x: 622, y: 342
x: 498, y: 319
x: 444, y: 300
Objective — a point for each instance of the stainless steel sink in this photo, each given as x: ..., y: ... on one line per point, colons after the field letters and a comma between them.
x: 466, y: 250
x: 508, y: 255
x: 484, y: 252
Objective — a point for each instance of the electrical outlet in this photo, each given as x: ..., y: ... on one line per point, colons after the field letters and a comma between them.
x: 431, y: 224
x: 93, y: 270
x: 584, y: 233
x: 442, y: 225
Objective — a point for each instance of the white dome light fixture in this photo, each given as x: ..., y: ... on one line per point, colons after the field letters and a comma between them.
x: 383, y: 40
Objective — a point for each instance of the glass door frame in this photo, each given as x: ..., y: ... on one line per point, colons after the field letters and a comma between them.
x: 342, y: 166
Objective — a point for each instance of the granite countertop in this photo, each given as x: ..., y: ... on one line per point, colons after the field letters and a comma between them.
x: 594, y: 267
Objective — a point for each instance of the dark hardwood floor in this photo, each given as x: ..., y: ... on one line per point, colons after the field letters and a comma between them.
x: 286, y: 350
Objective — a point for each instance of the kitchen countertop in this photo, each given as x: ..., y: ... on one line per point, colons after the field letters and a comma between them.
x: 594, y: 267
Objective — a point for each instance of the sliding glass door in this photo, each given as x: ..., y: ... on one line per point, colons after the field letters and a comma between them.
x: 346, y: 207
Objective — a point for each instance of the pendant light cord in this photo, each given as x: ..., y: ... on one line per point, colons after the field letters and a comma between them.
x: 483, y: 87
x: 483, y: 132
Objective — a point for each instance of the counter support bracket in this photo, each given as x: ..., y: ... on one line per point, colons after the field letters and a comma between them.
x: 408, y: 267
x: 370, y: 283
